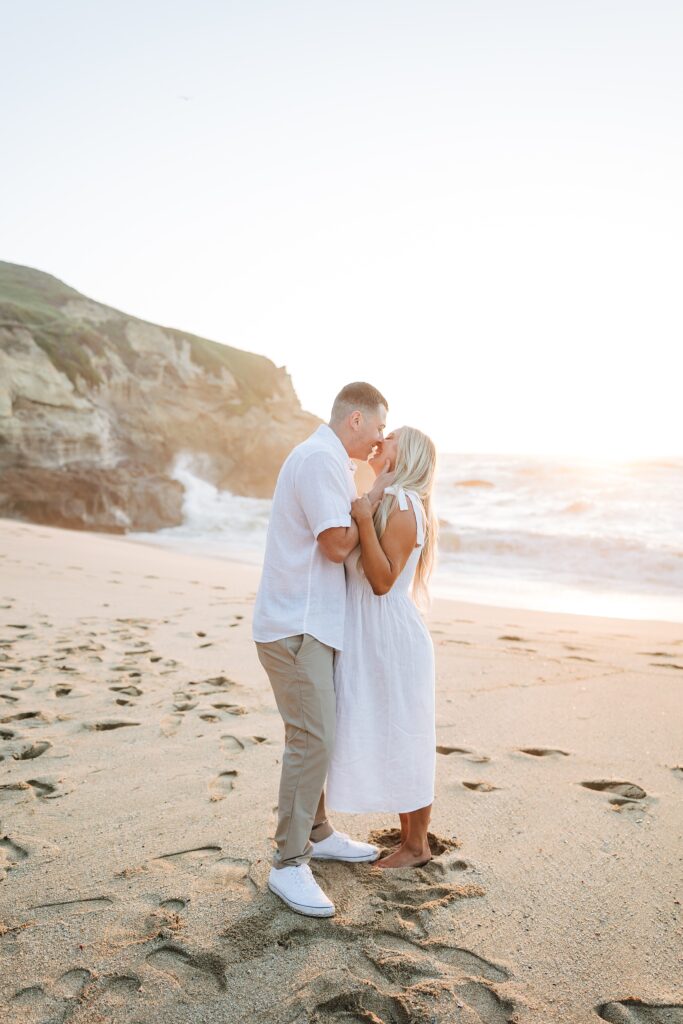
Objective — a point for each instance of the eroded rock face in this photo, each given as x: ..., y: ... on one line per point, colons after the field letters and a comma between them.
x: 95, y: 406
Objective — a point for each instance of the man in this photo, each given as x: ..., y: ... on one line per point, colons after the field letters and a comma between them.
x: 298, y: 625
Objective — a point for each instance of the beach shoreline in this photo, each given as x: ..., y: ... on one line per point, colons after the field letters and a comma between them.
x: 141, y: 748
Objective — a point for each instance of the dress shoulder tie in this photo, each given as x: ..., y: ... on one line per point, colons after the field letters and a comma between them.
x: 402, y: 497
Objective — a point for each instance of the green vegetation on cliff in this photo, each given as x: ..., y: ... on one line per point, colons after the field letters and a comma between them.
x: 35, y: 300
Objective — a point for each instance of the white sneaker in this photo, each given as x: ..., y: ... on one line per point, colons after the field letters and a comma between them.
x: 340, y: 846
x: 297, y: 887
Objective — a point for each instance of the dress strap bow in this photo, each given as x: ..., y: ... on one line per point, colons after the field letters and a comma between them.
x: 399, y: 494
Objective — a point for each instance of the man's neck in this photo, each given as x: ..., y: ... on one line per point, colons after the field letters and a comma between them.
x: 337, y: 430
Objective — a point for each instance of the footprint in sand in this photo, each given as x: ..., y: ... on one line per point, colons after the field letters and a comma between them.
x: 32, y: 751
x: 33, y: 1005
x: 233, y: 871
x: 11, y: 854
x: 218, y: 684
x: 364, y: 1002
x: 36, y: 1004
x: 117, y: 990
x: 467, y: 754
x: 486, y: 1002
x: 200, y: 975
x: 170, y: 724
x: 70, y: 984
x: 543, y: 751
x: 236, y: 744
x: 182, y: 704
x: 433, y: 976
x: 406, y: 962
x: 481, y: 787
x: 131, y: 691
x: 627, y: 789
x: 633, y: 1011
x: 408, y: 965
x: 71, y: 908
x: 173, y: 906
x: 22, y: 684
x: 230, y: 709
x: 627, y: 794
x: 164, y: 920
x: 413, y: 899
x: 221, y: 785
x: 376, y: 974
x: 44, y: 789
x: 187, y: 860
x: 108, y: 725
x: 24, y: 716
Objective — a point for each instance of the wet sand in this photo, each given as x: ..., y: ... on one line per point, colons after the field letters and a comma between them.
x: 140, y: 749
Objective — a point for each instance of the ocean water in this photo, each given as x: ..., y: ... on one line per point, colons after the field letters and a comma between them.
x: 582, y: 536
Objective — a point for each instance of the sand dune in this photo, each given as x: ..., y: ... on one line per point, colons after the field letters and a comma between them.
x: 140, y: 748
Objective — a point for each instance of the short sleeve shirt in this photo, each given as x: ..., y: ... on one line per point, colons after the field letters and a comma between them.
x: 301, y: 590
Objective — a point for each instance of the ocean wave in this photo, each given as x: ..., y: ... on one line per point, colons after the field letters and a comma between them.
x: 555, y: 556
x: 546, y: 526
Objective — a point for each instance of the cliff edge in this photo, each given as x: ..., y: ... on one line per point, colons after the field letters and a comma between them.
x: 95, y: 406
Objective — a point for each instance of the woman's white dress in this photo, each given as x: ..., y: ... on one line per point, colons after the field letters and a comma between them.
x: 384, y: 756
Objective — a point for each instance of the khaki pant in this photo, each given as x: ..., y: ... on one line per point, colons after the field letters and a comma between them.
x: 300, y: 669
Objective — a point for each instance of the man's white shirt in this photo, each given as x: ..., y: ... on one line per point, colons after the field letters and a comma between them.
x: 301, y: 590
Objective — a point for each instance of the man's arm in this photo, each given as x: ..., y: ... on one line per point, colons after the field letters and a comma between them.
x: 338, y: 541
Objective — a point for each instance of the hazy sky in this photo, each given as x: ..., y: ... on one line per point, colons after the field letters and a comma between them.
x: 475, y: 205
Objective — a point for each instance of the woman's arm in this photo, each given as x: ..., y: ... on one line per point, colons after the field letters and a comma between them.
x: 384, y: 560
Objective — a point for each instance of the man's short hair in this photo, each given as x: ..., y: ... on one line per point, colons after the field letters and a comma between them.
x: 358, y: 395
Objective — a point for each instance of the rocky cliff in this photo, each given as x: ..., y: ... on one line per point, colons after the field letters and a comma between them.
x: 95, y: 406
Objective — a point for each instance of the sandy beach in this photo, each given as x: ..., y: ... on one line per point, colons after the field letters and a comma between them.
x: 140, y: 748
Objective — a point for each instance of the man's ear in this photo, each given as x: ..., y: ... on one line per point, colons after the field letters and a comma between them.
x: 355, y: 419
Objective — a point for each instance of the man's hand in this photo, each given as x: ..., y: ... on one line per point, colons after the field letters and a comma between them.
x: 361, y: 508
x: 385, y: 479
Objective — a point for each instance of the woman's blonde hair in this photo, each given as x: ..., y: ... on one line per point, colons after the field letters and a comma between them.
x: 414, y: 471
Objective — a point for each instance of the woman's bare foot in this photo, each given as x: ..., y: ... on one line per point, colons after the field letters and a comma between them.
x: 405, y: 857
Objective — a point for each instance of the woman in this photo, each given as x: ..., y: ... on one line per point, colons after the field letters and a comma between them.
x: 385, y: 749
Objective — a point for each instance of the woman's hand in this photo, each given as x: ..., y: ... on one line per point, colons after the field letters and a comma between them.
x: 384, y: 479
x: 362, y: 508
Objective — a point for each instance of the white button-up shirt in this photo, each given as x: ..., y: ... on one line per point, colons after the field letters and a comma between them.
x: 301, y: 590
